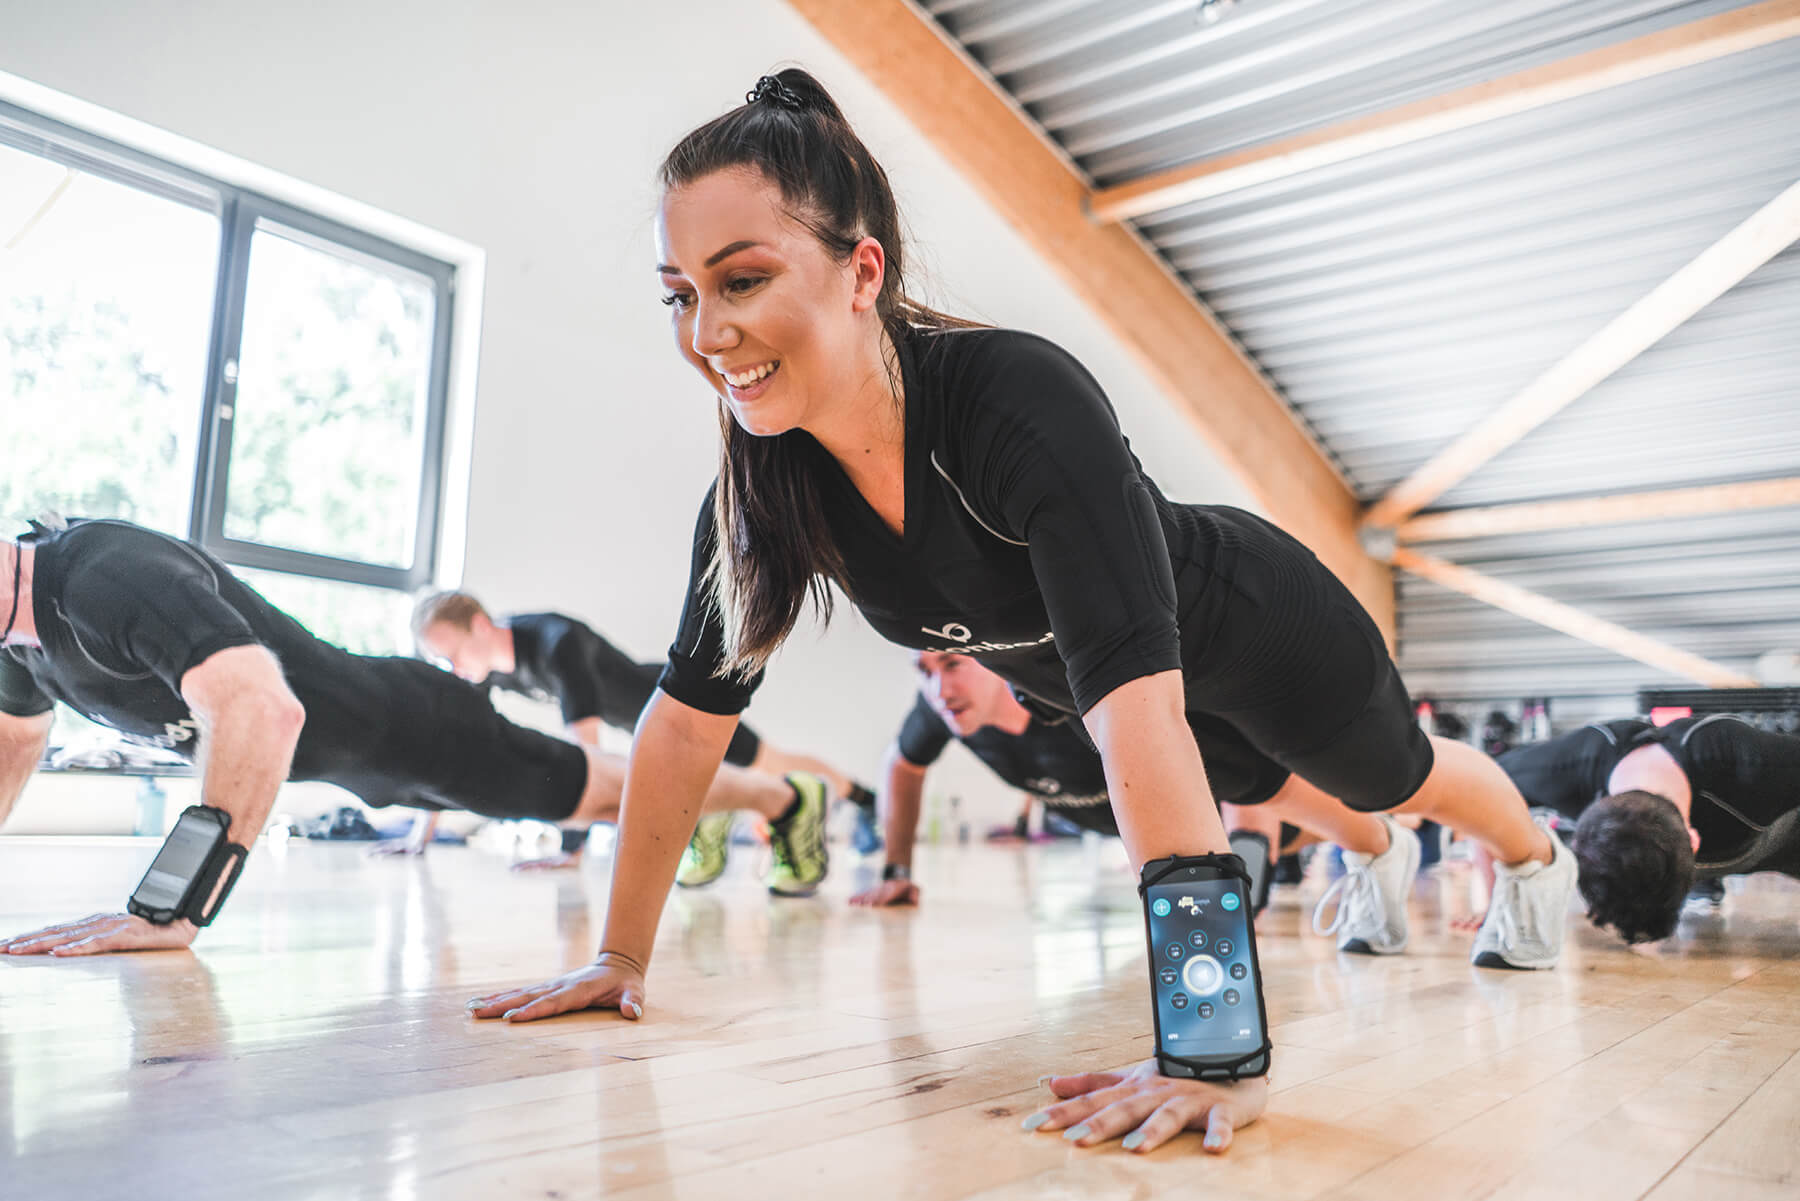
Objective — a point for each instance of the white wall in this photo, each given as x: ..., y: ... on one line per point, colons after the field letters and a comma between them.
x: 532, y: 129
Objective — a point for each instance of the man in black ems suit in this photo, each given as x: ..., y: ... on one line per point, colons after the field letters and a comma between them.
x: 556, y: 658
x: 1053, y: 761
x: 156, y: 638
x: 1654, y: 807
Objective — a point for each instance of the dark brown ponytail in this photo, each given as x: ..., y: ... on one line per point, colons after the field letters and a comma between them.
x: 774, y: 543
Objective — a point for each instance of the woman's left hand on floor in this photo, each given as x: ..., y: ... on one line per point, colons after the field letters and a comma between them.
x: 1148, y: 1108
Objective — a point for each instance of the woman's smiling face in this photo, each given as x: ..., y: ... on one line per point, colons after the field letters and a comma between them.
x: 760, y: 307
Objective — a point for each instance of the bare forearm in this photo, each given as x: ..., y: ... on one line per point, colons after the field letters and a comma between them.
x: 901, y: 801
x: 674, y: 757
x: 22, y: 742
x: 249, y: 725
x: 245, y: 756
x: 1153, y: 771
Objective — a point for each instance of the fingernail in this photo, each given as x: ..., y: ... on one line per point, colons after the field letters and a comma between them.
x: 508, y: 1015
x: 1076, y: 1133
x: 1035, y: 1120
x: 1043, y: 1080
x: 1133, y: 1141
x: 1214, y: 1142
x: 636, y: 1011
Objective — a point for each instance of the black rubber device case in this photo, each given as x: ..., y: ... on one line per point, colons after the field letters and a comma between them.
x: 224, y: 857
x: 1256, y: 1063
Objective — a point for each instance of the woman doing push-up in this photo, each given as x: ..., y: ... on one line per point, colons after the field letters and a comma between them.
x: 970, y: 491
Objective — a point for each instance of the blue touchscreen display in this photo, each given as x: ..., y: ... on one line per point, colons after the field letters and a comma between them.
x: 1200, y: 968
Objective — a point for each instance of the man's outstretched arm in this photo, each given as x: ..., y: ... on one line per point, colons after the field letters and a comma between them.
x: 249, y: 724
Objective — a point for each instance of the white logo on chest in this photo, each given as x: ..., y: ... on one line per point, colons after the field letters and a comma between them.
x: 954, y: 631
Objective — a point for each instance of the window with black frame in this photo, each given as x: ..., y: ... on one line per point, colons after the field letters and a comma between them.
x: 214, y: 364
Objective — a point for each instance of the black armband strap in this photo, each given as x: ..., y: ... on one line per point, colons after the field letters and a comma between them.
x: 193, y: 872
x: 227, y: 866
x: 1155, y: 870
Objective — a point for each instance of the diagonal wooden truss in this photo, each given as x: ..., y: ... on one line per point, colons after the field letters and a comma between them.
x: 1076, y: 227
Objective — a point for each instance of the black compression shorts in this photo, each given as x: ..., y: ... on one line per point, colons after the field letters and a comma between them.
x: 1311, y: 691
x: 745, y: 743
x: 445, y: 747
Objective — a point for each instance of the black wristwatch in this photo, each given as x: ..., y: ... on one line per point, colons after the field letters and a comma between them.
x: 896, y: 871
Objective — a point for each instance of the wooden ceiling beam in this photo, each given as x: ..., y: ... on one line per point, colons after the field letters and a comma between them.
x: 1148, y: 308
x: 1541, y: 609
x: 1640, y: 58
x: 1717, y: 269
x: 1490, y: 520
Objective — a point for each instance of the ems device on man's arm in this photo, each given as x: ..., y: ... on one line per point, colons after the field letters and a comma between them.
x: 194, y: 871
x: 1205, y: 983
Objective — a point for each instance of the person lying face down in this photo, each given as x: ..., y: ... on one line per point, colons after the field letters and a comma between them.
x: 1656, y: 807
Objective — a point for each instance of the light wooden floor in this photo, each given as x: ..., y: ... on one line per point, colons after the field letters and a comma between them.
x: 315, y: 1047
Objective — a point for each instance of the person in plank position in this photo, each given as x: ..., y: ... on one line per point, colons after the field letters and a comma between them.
x: 556, y: 658
x: 970, y: 490
x: 156, y: 638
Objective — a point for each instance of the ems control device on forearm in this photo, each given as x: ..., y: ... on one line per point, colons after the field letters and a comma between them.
x: 185, y: 878
x: 1205, y: 985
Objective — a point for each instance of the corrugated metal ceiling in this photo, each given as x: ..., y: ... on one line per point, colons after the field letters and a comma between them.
x: 1396, y: 298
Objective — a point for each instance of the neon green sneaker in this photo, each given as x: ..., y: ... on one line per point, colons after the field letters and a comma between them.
x: 798, y: 842
x: 704, y: 860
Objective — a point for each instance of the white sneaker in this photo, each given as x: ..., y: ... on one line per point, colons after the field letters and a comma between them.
x: 1371, y: 895
x: 1528, y: 917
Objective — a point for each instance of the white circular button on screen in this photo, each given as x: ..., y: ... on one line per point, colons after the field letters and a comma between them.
x: 1203, y: 975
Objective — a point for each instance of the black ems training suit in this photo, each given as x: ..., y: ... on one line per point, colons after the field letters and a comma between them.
x: 1746, y: 783
x: 1055, y: 763
x: 1035, y: 543
x: 560, y: 659
x: 124, y: 613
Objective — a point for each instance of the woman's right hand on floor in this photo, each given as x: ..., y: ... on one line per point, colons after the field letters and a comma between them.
x: 604, y: 984
x: 888, y: 892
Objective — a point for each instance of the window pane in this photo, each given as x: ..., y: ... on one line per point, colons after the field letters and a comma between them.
x: 368, y: 621
x: 328, y: 438
x: 106, y: 297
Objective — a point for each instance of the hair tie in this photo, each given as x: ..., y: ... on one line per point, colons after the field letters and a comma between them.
x: 771, y: 88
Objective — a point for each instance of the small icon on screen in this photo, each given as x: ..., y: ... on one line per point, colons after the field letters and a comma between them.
x: 1160, y: 907
x: 1230, y: 902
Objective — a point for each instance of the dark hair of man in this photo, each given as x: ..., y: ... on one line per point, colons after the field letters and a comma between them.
x: 773, y: 545
x: 455, y: 609
x: 1635, y: 864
